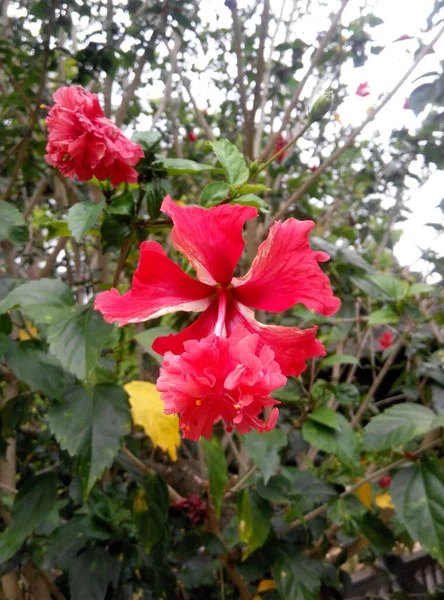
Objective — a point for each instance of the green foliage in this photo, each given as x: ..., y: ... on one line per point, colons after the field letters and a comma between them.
x: 253, y: 517
x: 232, y: 161
x: 217, y: 471
x: 82, y: 216
x: 263, y: 449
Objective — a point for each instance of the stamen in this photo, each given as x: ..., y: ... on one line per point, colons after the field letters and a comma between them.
x: 198, y: 402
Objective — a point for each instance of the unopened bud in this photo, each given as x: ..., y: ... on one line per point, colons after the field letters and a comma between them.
x: 254, y: 167
x: 321, y: 107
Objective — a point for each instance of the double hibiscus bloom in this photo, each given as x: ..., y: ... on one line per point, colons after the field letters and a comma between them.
x: 226, y: 364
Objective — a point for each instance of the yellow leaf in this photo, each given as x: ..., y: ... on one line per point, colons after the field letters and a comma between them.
x: 337, y: 118
x: 29, y: 333
x: 265, y: 585
x: 147, y: 410
x: 384, y: 500
x: 364, y: 494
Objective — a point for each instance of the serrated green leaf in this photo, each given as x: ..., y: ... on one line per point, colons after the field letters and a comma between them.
x: 76, y: 336
x: 150, y: 510
x: 4, y: 342
x: 254, y: 520
x: 383, y: 316
x: 31, y: 363
x: 41, y: 300
x: 346, y: 393
x: 148, y: 140
x: 339, y: 359
x: 183, y: 166
x: 92, y: 573
x: 232, y: 161
x: 217, y: 470
x: 395, y: 288
x: 341, y: 442
x: 370, y: 288
x: 325, y: 416
x: 34, y: 501
x: 263, y: 449
x: 397, y: 425
x: 90, y: 427
x: 297, y: 577
x: 213, y: 193
x: 82, y: 216
x: 252, y: 188
x: 417, y: 492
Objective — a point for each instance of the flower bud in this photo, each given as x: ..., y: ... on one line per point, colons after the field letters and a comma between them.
x: 253, y: 167
x: 385, y: 481
x: 321, y: 107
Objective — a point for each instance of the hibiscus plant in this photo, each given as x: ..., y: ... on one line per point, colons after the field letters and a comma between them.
x: 216, y: 379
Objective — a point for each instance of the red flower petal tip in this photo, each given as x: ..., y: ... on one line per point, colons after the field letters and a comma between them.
x: 385, y: 341
x: 363, y: 90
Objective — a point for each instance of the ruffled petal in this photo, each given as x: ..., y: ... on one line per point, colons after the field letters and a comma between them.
x: 291, y: 346
x: 202, y: 327
x: 159, y: 287
x: 211, y: 239
x: 286, y: 272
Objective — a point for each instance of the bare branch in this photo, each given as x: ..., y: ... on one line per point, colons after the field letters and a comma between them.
x: 237, y: 39
x: 174, y: 51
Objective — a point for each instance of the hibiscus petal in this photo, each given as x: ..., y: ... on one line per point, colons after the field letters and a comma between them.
x: 291, y: 346
x: 159, y: 287
x: 202, y: 327
x: 211, y: 239
x: 286, y: 271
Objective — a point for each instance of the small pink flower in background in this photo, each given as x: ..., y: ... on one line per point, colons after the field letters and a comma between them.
x: 403, y: 37
x: 385, y: 481
x: 192, y: 137
x: 284, y: 272
x: 363, y: 90
x: 385, y: 340
x: 313, y: 168
x: 406, y: 104
x: 229, y: 378
x: 83, y: 143
x: 279, y: 145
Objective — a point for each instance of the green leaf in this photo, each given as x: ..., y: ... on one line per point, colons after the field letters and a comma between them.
x: 339, y: 359
x: 65, y: 542
x: 12, y: 225
x: 113, y: 232
x: 263, y: 449
x: 183, y: 166
x: 419, y: 288
x: 251, y: 200
x: 146, y: 339
x: 122, y: 205
x: 341, y: 442
x: 306, y: 484
x: 90, y: 426
x: 148, y: 140
x: 82, y: 216
x: 58, y: 229
x: 438, y: 421
x: 346, y: 394
x: 254, y: 520
x: 43, y: 372
x: 213, y: 193
x: 369, y: 288
x: 397, y: 425
x: 92, y: 573
x: 34, y: 501
x: 4, y: 342
x: 150, y: 510
x: 41, y: 300
x: 77, y: 337
x: 383, y: 316
x: 217, y: 470
x: 325, y: 416
x: 395, y: 288
x: 297, y: 577
x: 346, y: 512
x: 232, y: 161
x: 417, y: 492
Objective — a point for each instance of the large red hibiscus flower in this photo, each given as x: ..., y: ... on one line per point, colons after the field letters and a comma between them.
x: 284, y: 272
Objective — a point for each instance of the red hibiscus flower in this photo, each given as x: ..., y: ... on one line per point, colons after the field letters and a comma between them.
x: 195, y: 507
x: 363, y: 90
x: 284, y: 272
x: 279, y: 145
x: 229, y: 378
x: 385, y: 340
x: 83, y: 143
x: 192, y: 137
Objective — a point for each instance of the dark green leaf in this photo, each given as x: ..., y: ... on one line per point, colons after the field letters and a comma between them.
x: 12, y: 225
x: 418, y: 495
x: 397, y: 425
x: 254, y: 520
x: 325, y: 416
x: 77, y: 337
x: 4, y: 341
x: 41, y: 300
x: 150, y: 510
x: 113, y: 231
x: 213, y: 193
x: 41, y: 371
x: 92, y: 573
x: 90, y: 426
x: 346, y: 393
x: 82, y: 216
x: 297, y: 577
x: 232, y: 161
x: 341, y: 442
x: 263, y: 449
x: 217, y: 470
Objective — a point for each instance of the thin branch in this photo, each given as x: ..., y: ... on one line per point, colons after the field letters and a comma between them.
x: 237, y: 40
x: 174, y: 51
x: 349, y: 142
x: 314, y: 63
